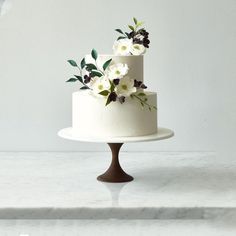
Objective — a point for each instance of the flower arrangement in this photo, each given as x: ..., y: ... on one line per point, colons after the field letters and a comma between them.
x: 111, y: 80
x: 132, y: 43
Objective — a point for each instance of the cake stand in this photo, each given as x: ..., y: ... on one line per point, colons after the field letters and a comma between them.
x: 115, y: 174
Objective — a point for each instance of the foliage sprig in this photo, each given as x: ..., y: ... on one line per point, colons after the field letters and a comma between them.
x: 142, y: 98
x: 137, y: 34
x: 88, y: 70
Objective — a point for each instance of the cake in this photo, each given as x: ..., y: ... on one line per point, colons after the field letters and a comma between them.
x: 113, y: 101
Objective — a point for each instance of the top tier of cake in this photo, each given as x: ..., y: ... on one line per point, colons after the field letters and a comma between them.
x: 135, y: 64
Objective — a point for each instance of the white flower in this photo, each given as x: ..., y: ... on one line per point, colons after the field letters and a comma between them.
x: 122, y: 47
x: 137, y: 49
x: 98, y: 84
x: 118, y: 70
x: 125, y: 87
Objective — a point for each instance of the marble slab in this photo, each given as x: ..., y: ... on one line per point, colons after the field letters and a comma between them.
x: 116, y: 227
x: 181, y: 185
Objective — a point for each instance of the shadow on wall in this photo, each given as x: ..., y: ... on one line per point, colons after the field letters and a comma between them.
x: 5, y: 6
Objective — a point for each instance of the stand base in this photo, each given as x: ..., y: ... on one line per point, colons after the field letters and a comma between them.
x: 115, y: 179
x: 115, y: 174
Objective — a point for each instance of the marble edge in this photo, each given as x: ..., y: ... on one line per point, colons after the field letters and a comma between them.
x: 117, y: 213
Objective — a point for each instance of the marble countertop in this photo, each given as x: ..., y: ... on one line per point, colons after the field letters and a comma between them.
x: 194, y: 185
x: 117, y: 227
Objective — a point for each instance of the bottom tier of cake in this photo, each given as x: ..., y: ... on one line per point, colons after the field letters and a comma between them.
x: 91, y: 118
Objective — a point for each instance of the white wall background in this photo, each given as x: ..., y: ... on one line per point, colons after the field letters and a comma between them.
x: 191, y: 64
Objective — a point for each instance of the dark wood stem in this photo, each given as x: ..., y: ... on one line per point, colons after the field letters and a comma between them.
x: 115, y: 174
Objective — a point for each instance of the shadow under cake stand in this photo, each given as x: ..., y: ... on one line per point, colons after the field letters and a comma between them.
x: 115, y: 174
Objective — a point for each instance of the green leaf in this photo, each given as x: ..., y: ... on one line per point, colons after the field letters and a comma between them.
x: 72, y: 80
x: 84, y: 87
x: 96, y: 73
x: 72, y: 62
x: 108, y: 101
x: 119, y: 31
x: 121, y: 37
x: 139, y: 24
x: 112, y: 86
x: 135, y: 21
x: 106, y: 64
x: 131, y: 27
x: 104, y: 92
x: 90, y: 67
x: 94, y: 54
x: 141, y: 94
x: 79, y: 78
x: 127, y: 34
x: 82, y: 63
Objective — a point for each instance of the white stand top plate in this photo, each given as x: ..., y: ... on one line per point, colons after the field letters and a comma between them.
x: 162, y: 133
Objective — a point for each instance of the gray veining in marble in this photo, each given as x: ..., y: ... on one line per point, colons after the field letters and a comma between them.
x: 166, y: 186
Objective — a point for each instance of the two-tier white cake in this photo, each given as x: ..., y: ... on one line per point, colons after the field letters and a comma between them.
x: 91, y: 118
x: 112, y: 101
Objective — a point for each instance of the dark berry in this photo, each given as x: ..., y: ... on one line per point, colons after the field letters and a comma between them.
x: 142, y: 32
x: 87, y: 79
x: 143, y: 86
x: 137, y: 83
x: 138, y: 41
x: 112, y: 97
x: 146, y: 41
x: 116, y: 81
x: 122, y: 99
x: 131, y: 34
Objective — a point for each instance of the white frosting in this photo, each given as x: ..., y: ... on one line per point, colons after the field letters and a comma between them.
x: 90, y: 116
x: 135, y: 63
